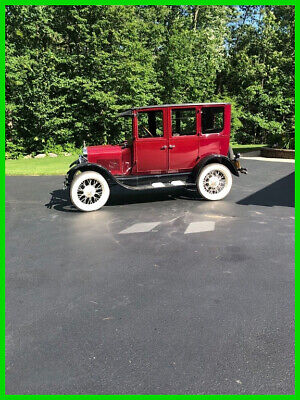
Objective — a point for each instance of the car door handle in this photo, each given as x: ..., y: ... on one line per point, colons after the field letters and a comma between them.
x: 163, y: 148
x: 171, y: 146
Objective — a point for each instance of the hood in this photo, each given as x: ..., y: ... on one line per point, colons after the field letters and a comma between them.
x: 103, y: 149
x: 115, y: 159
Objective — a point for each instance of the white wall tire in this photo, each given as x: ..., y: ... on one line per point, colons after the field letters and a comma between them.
x: 214, y: 182
x: 89, y: 191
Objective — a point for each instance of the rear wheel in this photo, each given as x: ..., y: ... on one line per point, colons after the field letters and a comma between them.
x: 214, y: 182
x: 89, y: 191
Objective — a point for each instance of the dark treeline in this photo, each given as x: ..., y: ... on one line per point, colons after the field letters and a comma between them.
x: 70, y: 69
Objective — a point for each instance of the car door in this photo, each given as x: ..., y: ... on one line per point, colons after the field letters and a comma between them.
x: 183, y: 138
x: 151, y: 142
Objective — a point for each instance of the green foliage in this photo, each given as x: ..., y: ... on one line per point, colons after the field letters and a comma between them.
x: 13, y: 150
x: 70, y: 69
x: 52, y: 147
x: 262, y: 74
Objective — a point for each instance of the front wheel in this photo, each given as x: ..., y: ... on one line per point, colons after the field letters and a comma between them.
x: 89, y: 191
x: 214, y: 182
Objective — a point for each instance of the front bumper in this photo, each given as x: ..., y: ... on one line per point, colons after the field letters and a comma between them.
x: 66, y: 183
x: 238, y: 166
x: 67, y: 180
x: 69, y: 176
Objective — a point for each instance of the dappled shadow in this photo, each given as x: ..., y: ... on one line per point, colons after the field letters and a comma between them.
x: 279, y: 193
x: 60, y: 199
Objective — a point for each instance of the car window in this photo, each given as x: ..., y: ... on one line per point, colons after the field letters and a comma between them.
x: 212, y: 119
x: 150, y: 124
x: 184, y: 122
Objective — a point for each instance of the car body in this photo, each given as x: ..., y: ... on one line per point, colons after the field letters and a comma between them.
x: 171, y: 145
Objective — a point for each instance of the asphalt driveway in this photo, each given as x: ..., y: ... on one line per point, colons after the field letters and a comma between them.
x: 157, y: 293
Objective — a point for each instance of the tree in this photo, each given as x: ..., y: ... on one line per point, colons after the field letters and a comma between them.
x: 70, y: 69
x: 261, y: 73
x: 192, y: 52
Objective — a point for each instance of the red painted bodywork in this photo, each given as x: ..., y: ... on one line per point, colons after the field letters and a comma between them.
x: 114, y: 158
x: 167, y: 154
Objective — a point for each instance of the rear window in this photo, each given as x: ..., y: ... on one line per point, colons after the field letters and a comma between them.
x: 212, y: 119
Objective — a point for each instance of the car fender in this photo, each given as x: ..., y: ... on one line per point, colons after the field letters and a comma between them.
x: 86, y: 166
x: 215, y: 158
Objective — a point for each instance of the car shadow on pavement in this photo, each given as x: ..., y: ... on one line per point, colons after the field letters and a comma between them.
x: 119, y: 196
x: 279, y: 193
x: 60, y: 201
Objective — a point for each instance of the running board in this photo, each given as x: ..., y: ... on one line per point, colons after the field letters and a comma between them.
x: 145, y: 182
x: 164, y: 184
x: 159, y: 185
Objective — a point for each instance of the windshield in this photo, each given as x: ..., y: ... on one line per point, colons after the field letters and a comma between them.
x: 126, y: 128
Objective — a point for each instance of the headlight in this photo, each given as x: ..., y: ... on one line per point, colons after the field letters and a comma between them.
x: 84, y: 152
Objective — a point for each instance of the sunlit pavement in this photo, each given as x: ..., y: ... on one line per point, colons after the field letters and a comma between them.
x: 159, y: 292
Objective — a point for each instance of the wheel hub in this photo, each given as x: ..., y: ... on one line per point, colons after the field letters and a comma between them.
x: 214, y: 182
x: 89, y: 191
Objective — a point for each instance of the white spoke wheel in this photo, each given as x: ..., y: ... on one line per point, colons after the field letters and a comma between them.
x: 214, y: 182
x: 89, y: 191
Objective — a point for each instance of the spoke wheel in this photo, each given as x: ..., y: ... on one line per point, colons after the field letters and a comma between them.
x: 89, y: 191
x: 214, y: 182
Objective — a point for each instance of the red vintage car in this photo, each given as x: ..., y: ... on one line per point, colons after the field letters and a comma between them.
x: 171, y: 145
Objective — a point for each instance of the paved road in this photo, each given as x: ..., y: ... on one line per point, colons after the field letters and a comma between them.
x: 94, y: 305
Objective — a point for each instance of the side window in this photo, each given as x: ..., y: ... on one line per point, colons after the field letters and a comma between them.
x: 212, y: 119
x: 184, y: 122
x: 150, y: 124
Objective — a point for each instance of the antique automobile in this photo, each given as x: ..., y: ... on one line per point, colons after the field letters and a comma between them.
x: 171, y: 145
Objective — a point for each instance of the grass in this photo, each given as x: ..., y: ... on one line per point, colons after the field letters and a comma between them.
x: 39, y: 166
x: 60, y: 165
x: 245, y: 148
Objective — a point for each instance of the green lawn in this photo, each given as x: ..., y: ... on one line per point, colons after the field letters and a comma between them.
x: 60, y: 165
x: 39, y: 166
x: 245, y: 148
